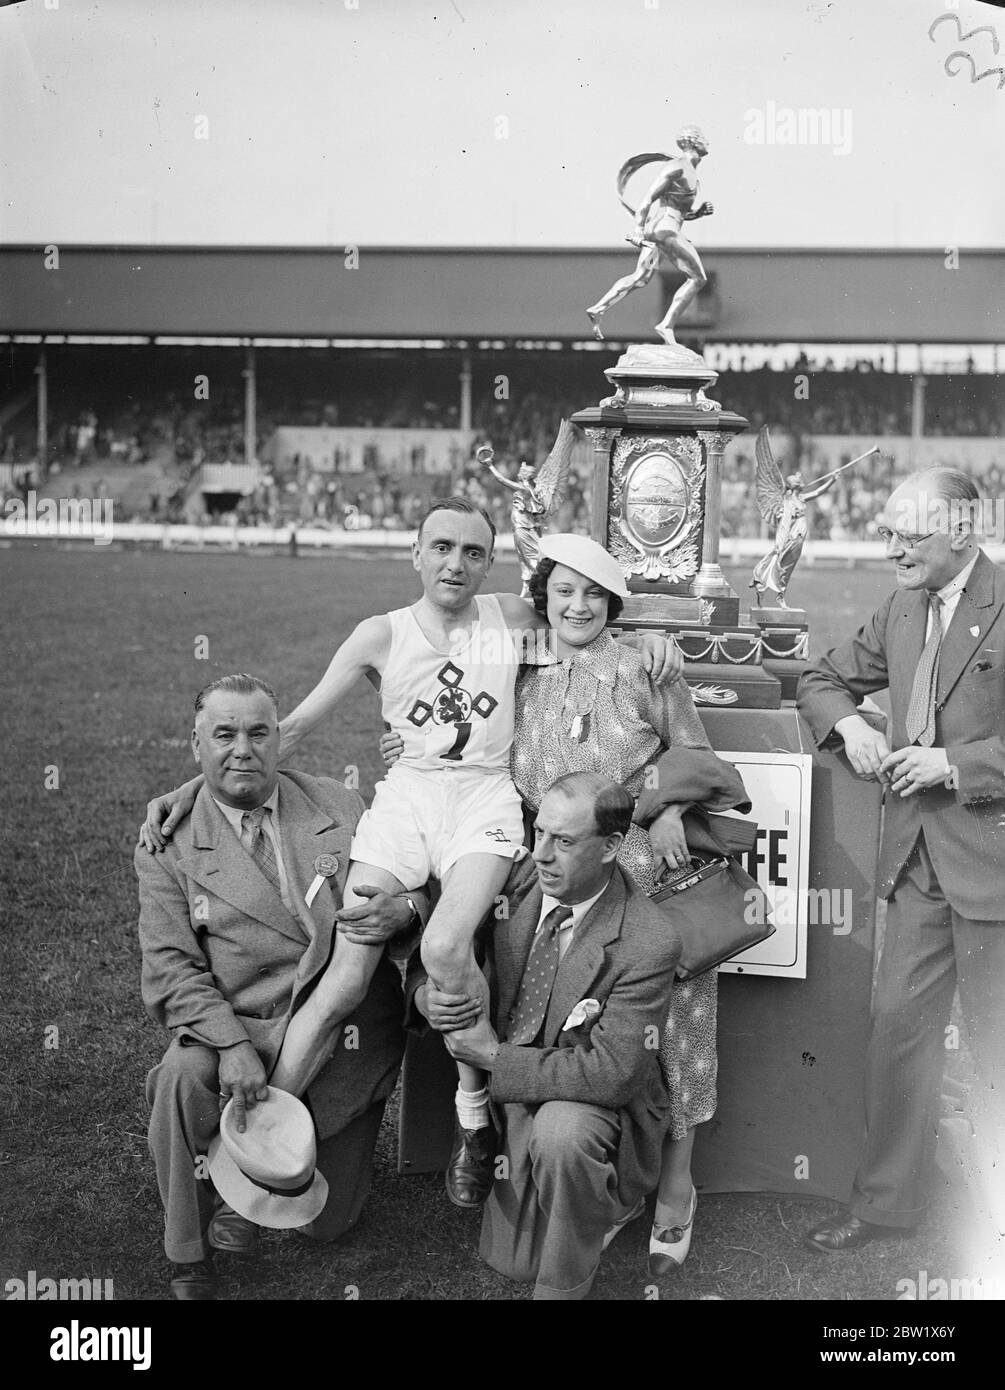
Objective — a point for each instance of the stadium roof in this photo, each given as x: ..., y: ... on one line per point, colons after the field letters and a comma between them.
x: 764, y: 296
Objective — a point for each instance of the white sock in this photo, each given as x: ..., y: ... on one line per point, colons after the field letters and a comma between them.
x: 472, y: 1108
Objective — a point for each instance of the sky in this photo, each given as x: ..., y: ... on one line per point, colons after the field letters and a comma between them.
x: 495, y: 122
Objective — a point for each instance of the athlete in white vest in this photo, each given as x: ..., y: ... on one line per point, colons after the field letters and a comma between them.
x: 448, y: 809
x: 450, y: 794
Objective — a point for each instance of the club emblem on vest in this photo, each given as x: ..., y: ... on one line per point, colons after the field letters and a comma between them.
x: 453, y: 705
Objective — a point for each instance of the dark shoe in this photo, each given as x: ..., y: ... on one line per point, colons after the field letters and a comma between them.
x: 232, y: 1233
x: 193, y: 1283
x: 848, y: 1232
x: 469, y: 1172
x: 626, y: 1220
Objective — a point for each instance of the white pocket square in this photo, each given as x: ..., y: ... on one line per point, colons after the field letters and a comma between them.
x: 584, y: 1011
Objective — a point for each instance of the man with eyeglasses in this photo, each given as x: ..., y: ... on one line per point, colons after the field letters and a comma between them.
x: 938, y: 645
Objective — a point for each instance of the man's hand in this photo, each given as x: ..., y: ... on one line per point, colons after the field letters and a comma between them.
x: 911, y: 770
x: 164, y: 813
x: 446, y: 1012
x: 866, y: 747
x: 704, y: 209
x: 666, y: 834
x: 660, y: 657
x: 477, y: 1046
x: 375, y: 921
x: 242, y: 1077
x: 391, y: 746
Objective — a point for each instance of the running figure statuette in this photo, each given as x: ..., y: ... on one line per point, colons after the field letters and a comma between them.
x: 536, y: 498
x: 671, y: 201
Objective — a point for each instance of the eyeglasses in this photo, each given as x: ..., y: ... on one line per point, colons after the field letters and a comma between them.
x: 908, y: 541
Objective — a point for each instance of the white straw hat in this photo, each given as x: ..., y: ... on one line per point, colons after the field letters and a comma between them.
x: 268, y: 1174
x: 586, y: 557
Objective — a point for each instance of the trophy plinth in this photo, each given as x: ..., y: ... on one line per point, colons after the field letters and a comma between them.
x: 785, y: 644
x: 767, y: 616
x: 659, y: 444
x: 659, y: 377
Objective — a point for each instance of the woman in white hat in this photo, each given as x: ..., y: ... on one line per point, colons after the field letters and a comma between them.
x: 585, y: 703
x: 589, y: 705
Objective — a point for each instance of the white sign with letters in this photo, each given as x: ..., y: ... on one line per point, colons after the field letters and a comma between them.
x: 778, y: 785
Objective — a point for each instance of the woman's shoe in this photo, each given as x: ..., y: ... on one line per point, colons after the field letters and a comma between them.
x: 668, y: 1245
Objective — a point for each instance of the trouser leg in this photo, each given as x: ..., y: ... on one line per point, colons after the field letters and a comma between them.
x: 573, y: 1149
x: 346, y: 1160
x: 184, y: 1116
x: 980, y: 964
x: 556, y: 1198
x: 906, y: 1052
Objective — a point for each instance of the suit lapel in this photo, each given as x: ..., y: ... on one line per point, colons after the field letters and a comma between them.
x: 582, y: 962
x: 218, y: 863
x: 308, y: 832
x: 512, y: 941
x: 911, y: 628
x: 976, y: 609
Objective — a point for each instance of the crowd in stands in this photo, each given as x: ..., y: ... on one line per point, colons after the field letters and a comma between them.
x: 518, y: 400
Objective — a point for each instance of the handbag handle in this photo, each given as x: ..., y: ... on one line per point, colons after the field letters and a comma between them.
x: 693, y: 872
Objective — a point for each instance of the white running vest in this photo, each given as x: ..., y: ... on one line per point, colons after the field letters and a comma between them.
x: 452, y: 709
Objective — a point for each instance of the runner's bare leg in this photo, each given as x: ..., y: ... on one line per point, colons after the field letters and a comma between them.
x: 314, y: 1030
x: 470, y: 888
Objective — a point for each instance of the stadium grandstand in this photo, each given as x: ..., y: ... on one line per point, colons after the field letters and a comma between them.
x: 342, y: 387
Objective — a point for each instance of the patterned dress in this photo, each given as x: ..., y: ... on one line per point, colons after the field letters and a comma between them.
x: 599, y: 711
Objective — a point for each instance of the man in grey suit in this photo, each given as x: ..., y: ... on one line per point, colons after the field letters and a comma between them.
x: 938, y: 645
x: 581, y: 968
x: 231, y: 949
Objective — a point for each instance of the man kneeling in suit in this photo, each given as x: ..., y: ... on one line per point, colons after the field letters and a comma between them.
x: 581, y: 970
x: 231, y: 949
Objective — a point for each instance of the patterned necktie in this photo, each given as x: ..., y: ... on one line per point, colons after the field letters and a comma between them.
x: 261, y: 846
x: 538, y: 979
x: 921, y: 711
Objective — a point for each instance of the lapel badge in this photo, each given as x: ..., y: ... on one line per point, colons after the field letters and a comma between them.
x: 326, y: 865
x: 975, y: 631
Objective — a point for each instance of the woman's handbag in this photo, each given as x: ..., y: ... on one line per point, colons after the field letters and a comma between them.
x: 714, y: 905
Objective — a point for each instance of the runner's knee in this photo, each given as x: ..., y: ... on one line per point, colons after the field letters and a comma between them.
x: 443, y: 953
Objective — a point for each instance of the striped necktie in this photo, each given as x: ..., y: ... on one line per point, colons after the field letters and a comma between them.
x: 920, y: 722
x: 261, y: 846
x: 538, y: 979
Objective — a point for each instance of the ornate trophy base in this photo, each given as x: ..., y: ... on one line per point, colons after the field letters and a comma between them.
x: 658, y: 444
x: 659, y: 609
x: 777, y: 616
x: 659, y: 377
x: 784, y: 644
x: 738, y: 664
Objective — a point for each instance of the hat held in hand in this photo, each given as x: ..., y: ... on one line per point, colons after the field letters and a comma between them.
x: 268, y: 1174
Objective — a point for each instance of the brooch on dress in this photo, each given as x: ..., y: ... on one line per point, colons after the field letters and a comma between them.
x: 579, y: 731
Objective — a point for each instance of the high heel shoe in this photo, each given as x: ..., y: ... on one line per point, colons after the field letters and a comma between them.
x: 668, y: 1245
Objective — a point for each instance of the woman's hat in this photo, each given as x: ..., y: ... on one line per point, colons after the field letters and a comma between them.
x: 585, y: 557
x: 268, y: 1174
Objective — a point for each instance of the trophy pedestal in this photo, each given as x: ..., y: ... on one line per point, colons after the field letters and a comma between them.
x: 660, y: 609
x: 659, y: 444
x: 778, y: 617
x: 723, y: 664
x: 784, y: 644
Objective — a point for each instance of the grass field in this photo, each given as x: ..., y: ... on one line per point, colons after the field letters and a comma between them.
x: 98, y: 673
